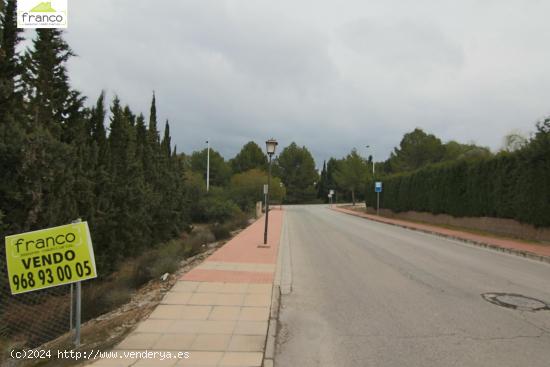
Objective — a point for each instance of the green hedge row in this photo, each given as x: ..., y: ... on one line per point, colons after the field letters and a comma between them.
x: 510, y: 185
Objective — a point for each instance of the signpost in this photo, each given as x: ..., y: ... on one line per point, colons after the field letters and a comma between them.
x: 330, y: 196
x: 378, y: 190
x: 50, y: 258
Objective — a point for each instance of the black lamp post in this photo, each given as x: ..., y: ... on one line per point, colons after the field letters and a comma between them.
x: 271, y: 145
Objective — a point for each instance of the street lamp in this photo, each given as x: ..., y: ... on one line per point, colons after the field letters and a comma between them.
x: 368, y: 146
x: 270, y: 145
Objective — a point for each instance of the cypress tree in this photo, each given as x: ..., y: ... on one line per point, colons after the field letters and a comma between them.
x: 322, y: 190
x: 12, y: 122
x: 166, y: 144
x: 153, y: 131
x: 10, y: 68
x: 47, y: 81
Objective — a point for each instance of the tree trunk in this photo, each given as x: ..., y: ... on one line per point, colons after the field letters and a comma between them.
x: 353, y: 197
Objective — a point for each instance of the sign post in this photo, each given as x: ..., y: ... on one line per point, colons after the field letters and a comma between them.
x: 378, y: 190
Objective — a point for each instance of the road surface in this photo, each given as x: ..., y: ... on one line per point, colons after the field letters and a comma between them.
x: 370, y: 294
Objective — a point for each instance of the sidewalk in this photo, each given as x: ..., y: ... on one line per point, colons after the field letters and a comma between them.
x: 218, y: 312
x: 530, y: 250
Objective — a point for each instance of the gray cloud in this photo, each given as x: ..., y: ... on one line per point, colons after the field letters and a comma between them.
x: 327, y: 75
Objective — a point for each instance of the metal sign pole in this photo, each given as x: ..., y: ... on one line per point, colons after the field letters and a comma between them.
x: 71, y: 310
x: 208, y: 166
x: 378, y: 203
x: 78, y: 313
x: 78, y: 305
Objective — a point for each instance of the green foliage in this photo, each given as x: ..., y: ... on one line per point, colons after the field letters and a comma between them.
x: 322, y: 186
x: 416, y: 149
x: 247, y: 188
x: 352, y: 173
x: 220, y: 172
x: 251, y: 156
x: 58, y: 162
x: 510, y: 185
x: 216, y: 209
x: 296, y: 168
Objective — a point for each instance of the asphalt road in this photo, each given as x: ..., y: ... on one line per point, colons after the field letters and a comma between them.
x: 370, y: 294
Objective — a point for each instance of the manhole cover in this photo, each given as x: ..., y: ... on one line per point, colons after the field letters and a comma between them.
x: 516, y: 301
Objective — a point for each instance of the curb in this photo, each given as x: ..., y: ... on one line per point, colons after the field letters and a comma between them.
x: 269, y: 354
x: 271, y: 338
x: 520, y: 253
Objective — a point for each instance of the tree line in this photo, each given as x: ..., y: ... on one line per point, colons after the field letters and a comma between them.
x: 62, y: 159
x: 514, y: 183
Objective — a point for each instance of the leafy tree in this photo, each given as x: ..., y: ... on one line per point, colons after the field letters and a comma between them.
x: 220, y: 172
x: 333, y: 165
x: 352, y: 173
x: 513, y: 141
x: 251, y: 156
x: 296, y: 167
x: 455, y: 151
x: 247, y: 188
x: 416, y: 150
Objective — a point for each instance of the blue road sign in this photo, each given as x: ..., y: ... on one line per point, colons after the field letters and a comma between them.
x: 378, y: 186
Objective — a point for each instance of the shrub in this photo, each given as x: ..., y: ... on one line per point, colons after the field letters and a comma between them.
x: 221, y: 231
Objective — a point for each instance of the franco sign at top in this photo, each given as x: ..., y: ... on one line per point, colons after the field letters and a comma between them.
x: 41, y: 14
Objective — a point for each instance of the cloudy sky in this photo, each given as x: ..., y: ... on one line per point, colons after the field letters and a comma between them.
x: 331, y: 75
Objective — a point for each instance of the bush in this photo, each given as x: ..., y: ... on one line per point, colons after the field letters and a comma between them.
x: 101, y: 297
x: 221, y: 231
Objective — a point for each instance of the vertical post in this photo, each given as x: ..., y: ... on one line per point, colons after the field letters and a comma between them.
x: 71, y: 310
x: 378, y: 203
x: 267, y: 202
x: 78, y: 313
x: 208, y: 166
x: 78, y: 305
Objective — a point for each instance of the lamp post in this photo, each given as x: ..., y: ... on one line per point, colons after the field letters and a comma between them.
x: 271, y: 145
x: 368, y: 146
x: 373, y: 179
x: 207, y: 166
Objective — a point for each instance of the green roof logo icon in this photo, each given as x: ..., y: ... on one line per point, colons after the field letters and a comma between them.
x: 45, y: 7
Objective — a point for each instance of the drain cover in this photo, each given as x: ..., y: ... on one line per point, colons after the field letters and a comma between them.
x: 516, y: 301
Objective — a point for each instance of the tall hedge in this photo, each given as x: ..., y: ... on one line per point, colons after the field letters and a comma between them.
x: 509, y: 185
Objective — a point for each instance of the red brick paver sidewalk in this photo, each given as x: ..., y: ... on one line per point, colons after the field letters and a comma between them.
x: 539, y: 252
x: 218, y: 312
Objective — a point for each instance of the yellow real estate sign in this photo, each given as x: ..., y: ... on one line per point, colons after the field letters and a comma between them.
x: 50, y: 257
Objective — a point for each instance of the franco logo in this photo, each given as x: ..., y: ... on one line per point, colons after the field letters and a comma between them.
x: 42, y: 14
x: 45, y: 7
